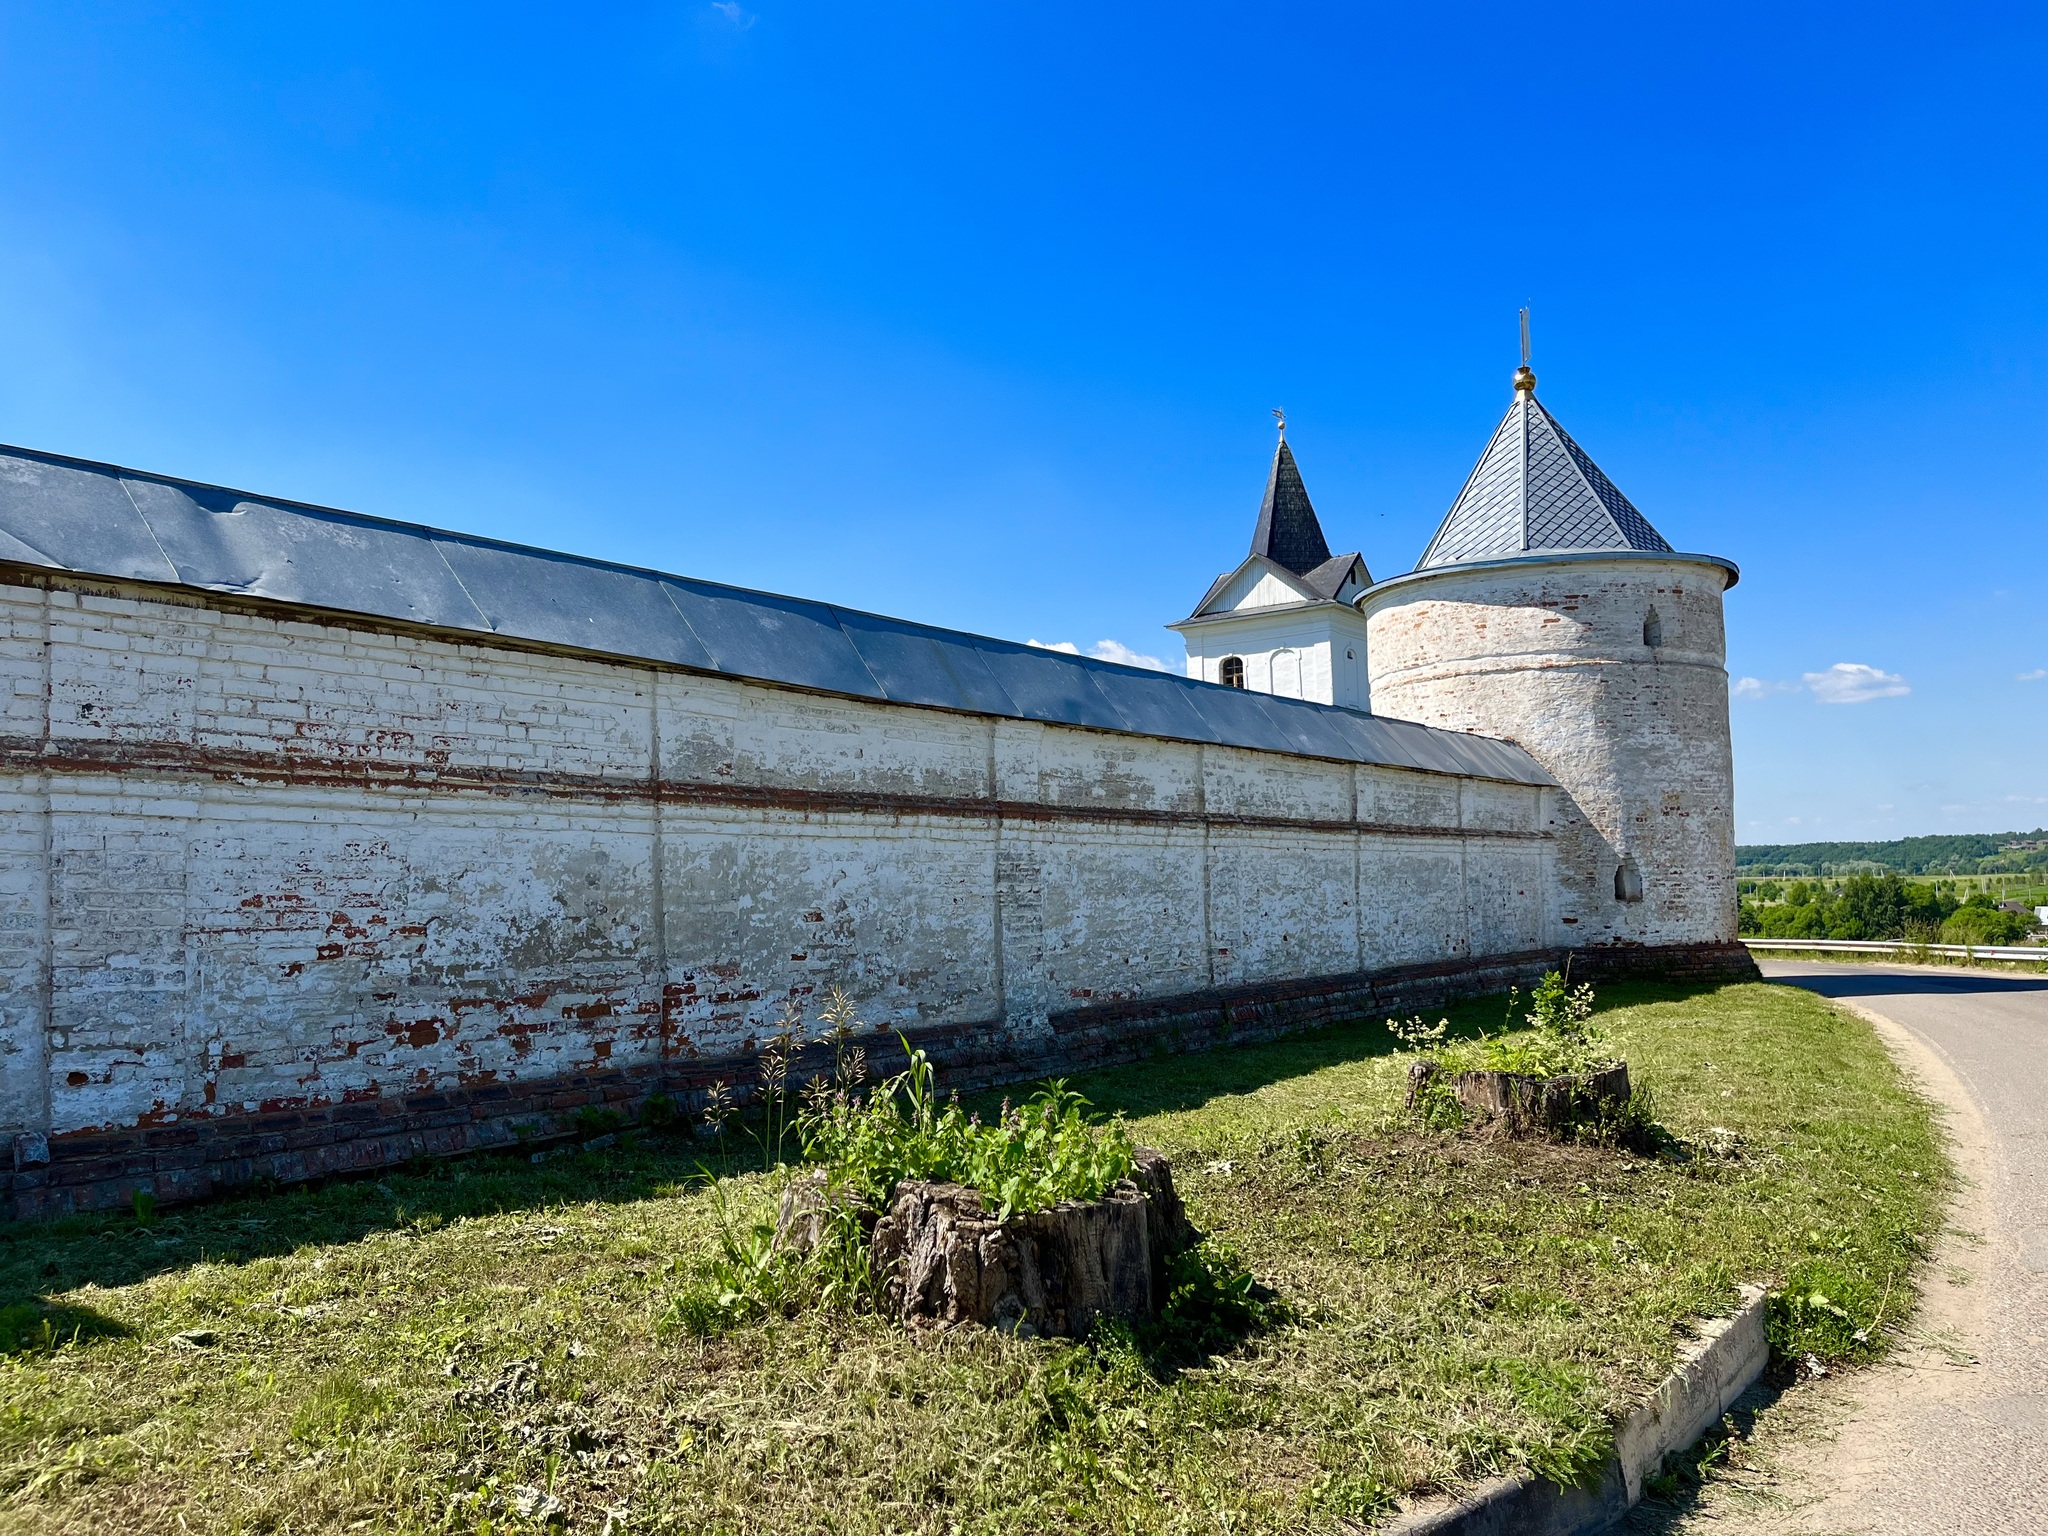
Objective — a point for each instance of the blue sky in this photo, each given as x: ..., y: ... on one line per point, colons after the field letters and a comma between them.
x: 974, y: 313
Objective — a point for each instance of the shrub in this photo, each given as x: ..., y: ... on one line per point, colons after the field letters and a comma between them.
x: 1980, y: 920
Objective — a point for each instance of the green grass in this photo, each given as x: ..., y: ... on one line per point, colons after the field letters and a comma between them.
x: 459, y: 1342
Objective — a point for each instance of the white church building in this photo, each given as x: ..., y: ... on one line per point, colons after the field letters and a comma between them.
x: 1283, y: 621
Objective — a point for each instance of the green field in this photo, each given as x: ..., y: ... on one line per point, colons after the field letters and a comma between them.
x: 455, y: 1344
x: 2006, y: 887
x: 1969, y: 853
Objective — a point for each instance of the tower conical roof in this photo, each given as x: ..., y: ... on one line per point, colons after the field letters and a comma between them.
x: 1288, y: 533
x: 1534, y: 490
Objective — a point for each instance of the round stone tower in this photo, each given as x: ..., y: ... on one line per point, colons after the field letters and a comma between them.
x: 1548, y: 611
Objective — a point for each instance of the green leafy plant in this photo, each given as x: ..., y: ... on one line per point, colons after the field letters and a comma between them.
x: 1829, y: 1309
x: 749, y: 1276
x: 593, y: 1121
x: 1212, y: 1305
x: 1562, y: 1037
x: 1416, y: 1035
x: 1033, y: 1156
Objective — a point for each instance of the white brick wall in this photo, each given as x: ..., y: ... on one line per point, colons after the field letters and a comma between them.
x: 1552, y: 657
x: 256, y: 860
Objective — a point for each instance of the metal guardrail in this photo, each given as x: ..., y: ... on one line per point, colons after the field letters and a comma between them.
x: 1896, y: 946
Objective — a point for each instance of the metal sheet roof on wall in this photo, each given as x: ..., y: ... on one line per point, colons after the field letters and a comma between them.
x: 99, y: 520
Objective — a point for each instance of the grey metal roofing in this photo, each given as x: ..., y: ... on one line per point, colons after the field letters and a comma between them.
x: 1287, y: 532
x: 1321, y: 584
x: 1533, y: 490
x: 1327, y: 579
x: 73, y: 515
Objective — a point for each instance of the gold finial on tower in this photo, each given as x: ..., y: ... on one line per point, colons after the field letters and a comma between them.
x: 1280, y: 420
x: 1525, y: 376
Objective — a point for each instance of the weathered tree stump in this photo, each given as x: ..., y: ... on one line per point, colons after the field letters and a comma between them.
x: 1523, y: 1105
x: 944, y: 1260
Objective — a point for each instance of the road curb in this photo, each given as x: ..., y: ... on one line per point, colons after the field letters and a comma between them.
x: 1712, y: 1372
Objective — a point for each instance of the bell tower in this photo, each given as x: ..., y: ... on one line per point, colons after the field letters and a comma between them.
x: 1283, y: 621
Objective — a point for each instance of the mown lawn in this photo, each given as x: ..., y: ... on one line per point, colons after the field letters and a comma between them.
x: 453, y: 1345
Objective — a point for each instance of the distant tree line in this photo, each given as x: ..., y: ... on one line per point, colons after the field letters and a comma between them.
x: 1876, y: 907
x: 1972, y: 854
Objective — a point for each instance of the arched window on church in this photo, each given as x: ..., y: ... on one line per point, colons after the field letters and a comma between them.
x: 1653, y: 630
x: 1628, y: 880
x: 1230, y: 673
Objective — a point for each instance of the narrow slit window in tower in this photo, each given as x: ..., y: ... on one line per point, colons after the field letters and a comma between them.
x: 1628, y: 880
x: 1231, y: 672
x: 1653, y: 630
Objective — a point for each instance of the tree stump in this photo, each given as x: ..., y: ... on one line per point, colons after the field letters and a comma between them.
x: 944, y: 1260
x: 1523, y: 1105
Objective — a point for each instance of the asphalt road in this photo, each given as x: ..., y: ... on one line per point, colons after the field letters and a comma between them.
x: 1954, y: 1436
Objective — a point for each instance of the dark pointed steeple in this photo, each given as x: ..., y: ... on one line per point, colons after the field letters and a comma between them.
x: 1288, y: 533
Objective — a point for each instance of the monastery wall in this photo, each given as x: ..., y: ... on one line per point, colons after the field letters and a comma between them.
x: 257, y: 863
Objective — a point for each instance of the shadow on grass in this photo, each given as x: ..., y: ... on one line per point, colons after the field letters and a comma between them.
x: 113, y: 1249
x: 1167, y: 1084
x: 27, y: 1326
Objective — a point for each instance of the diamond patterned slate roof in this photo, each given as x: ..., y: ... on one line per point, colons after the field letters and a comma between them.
x: 1534, y: 489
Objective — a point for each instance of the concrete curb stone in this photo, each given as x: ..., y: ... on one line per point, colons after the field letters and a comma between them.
x: 1712, y: 1372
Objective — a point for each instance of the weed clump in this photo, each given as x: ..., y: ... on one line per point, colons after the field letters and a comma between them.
x: 1030, y: 1158
x: 1562, y: 1038
x: 863, y: 1142
x: 1562, y: 1055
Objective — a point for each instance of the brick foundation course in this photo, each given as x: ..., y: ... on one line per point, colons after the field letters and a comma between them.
x: 199, y: 1157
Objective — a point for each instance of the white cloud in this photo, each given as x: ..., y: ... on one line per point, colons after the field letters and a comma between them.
x: 1105, y: 650
x: 1851, y: 682
x: 1117, y: 651
x: 2034, y: 676
x: 1760, y: 688
x: 732, y: 12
